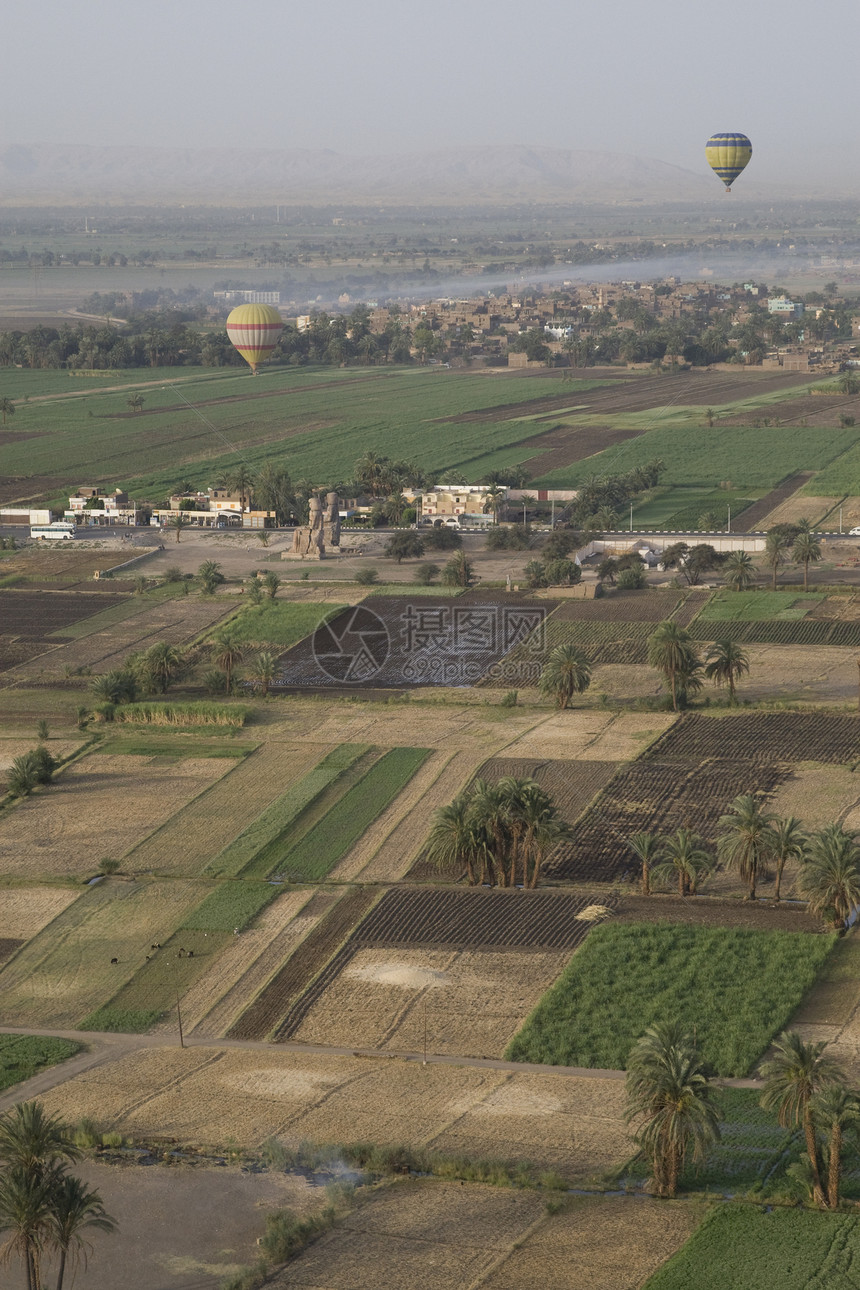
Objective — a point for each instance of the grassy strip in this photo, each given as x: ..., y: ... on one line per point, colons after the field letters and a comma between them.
x: 280, y: 622
x: 231, y: 905
x: 735, y: 988
x: 22, y: 1056
x: 743, y: 1245
x: 756, y: 606
x: 804, y: 631
x: 155, y: 987
x: 166, y: 713
x: 240, y: 854
x: 314, y: 855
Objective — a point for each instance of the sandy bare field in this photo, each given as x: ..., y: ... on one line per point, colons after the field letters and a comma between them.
x: 207, y: 1095
x: 472, y: 1002
x: 393, y: 725
x: 819, y: 795
x: 197, y: 832
x: 24, y: 911
x: 100, y: 807
x: 183, y: 1228
x: 806, y: 506
x: 802, y: 672
x: 18, y: 747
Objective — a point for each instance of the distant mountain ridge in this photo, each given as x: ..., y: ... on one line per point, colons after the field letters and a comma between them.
x: 81, y: 174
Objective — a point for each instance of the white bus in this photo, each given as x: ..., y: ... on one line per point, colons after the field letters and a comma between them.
x: 60, y: 530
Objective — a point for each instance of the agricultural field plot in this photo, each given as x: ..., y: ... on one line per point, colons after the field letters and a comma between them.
x: 407, y: 641
x: 69, y: 563
x: 188, y: 841
x: 757, y: 1248
x: 647, y: 606
x: 808, y: 631
x: 210, y: 1095
x: 12, y: 748
x: 566, y: 444
x: 341, y: 911
x: 736, y: 986
x: 756, y: 516
x: 591, y: 736
x: 820, y: 795
x: 768, y: 737
x: 22, y: 1056
x: 466, y: 1002
x: 33, y: 615
x: 828, y: 1011
x: 99, y: 808
x: 281, y: 622
x: 24, y: 911
x: 598, y: 1243
x: 845, y: 607
x: 602, y: 642
x: 65, y: 972
x: 760, y: 606
x: 656, y: 796
x: 417, y: 1233
x: 174, y: 621
x: 446, y: 923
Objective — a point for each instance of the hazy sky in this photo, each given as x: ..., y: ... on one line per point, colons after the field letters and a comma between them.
x: 389, y: 75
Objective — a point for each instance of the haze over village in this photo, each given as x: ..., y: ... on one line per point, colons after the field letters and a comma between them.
x: 429, y: 641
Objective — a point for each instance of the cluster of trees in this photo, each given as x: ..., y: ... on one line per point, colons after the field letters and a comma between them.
x: 500, y: 834
x: 674, y: 1110
x: 674, y: 653
x: 749, y: 841
x: 45, y: 1210
x: 599, y: 504
x: 29, y: 771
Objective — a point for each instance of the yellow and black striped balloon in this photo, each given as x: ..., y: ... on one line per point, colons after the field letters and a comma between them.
x: 727, y: 155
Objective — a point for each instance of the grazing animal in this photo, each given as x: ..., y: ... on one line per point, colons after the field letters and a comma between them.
x: 149, y: 958
x: 155, y: 947
x: 181, y: 952
x: 191, y: 954
x: 114, y: 960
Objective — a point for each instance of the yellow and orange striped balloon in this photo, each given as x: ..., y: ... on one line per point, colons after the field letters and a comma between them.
x: 254, y: 332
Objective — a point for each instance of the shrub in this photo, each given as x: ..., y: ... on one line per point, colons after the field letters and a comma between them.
x: 632, y: 579
x: 21, y: 779
x: 117, y: 686
x: 366, y: 577
x: 426, y: 573
x: 442, y: 538
x: 510, y: 699
x: 173, y: 574
x: 108, y: 867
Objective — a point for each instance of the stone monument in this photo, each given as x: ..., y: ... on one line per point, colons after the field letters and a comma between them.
x: 322, y: 530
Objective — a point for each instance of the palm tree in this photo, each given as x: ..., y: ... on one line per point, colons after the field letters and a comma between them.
x: 739, y: 571
x: 453, y: 842
x: 684, y: 857
x: 178, y: 522
x: 566, y: 673
x: 494, y: 498
x: 789, y: 843
x: 30, y: 1136
x: 830, y: 879
x: 776, y: 547
x: 241, y: 481
x: 806, y: 551
x: 793, y: 1075
x: 835, y: 1109
x: 228, y: 654
x: 117, y: 686
x: 747, y: 840
x: 7, y: 408
x: 135, y: 402
x: 670, y: 1097
x: 726, y: 663
x: 537, y: 827
x: 160, y: 665
x: 646, y: 847
x: 263, y: 670
x: 671, y: 650
x: 271, y: 582
x: 73, y: 1209
x: 210, y: 576
x: 25, y: 1209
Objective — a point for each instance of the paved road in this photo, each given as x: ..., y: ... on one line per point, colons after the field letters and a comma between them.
x: 102, y: 1048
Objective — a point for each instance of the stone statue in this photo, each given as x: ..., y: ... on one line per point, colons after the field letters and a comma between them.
x: 321, y: 530
x: 331, y: 520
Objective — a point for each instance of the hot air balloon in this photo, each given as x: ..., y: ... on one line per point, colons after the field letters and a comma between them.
x: 254, y: 331
x: 727, y: 155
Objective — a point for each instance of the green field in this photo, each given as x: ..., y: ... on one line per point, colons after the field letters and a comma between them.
x: 679, y: 508
x: 230, y: 905
x: 757, y: 606
x: 315, y: 854
x: 253, y: 852
x: 695, y: 456
x: 24, y: 1055
x: 745, y: 1247
x: 319, y: 421
x: 279, y: 622
x: 734, y: 988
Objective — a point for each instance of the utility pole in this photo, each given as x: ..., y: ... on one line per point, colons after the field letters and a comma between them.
x: 424, y: 1062
x: 729, y: 524
x: 631, y: 517
x: 178, y: 1009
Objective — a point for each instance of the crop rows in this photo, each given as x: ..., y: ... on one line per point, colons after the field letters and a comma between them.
x: 603, y: 642
x: 655, y: 797
x: 766, y: 737
x: 32, y: 615
x: 273, y: 1002
x: 801, y: 631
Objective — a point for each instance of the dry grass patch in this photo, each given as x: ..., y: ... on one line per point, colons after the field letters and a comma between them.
x: 598, y: 1243
x: 804, y: 672
x: 819, y: 795
x: 24, y: 911
x: 189, y: 839
x: 208, y: 1095
x: 591, y: 735
x: 473, y: 1001
x: 17, y: 747
x: 65, y: 972
x: 100, y: 807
